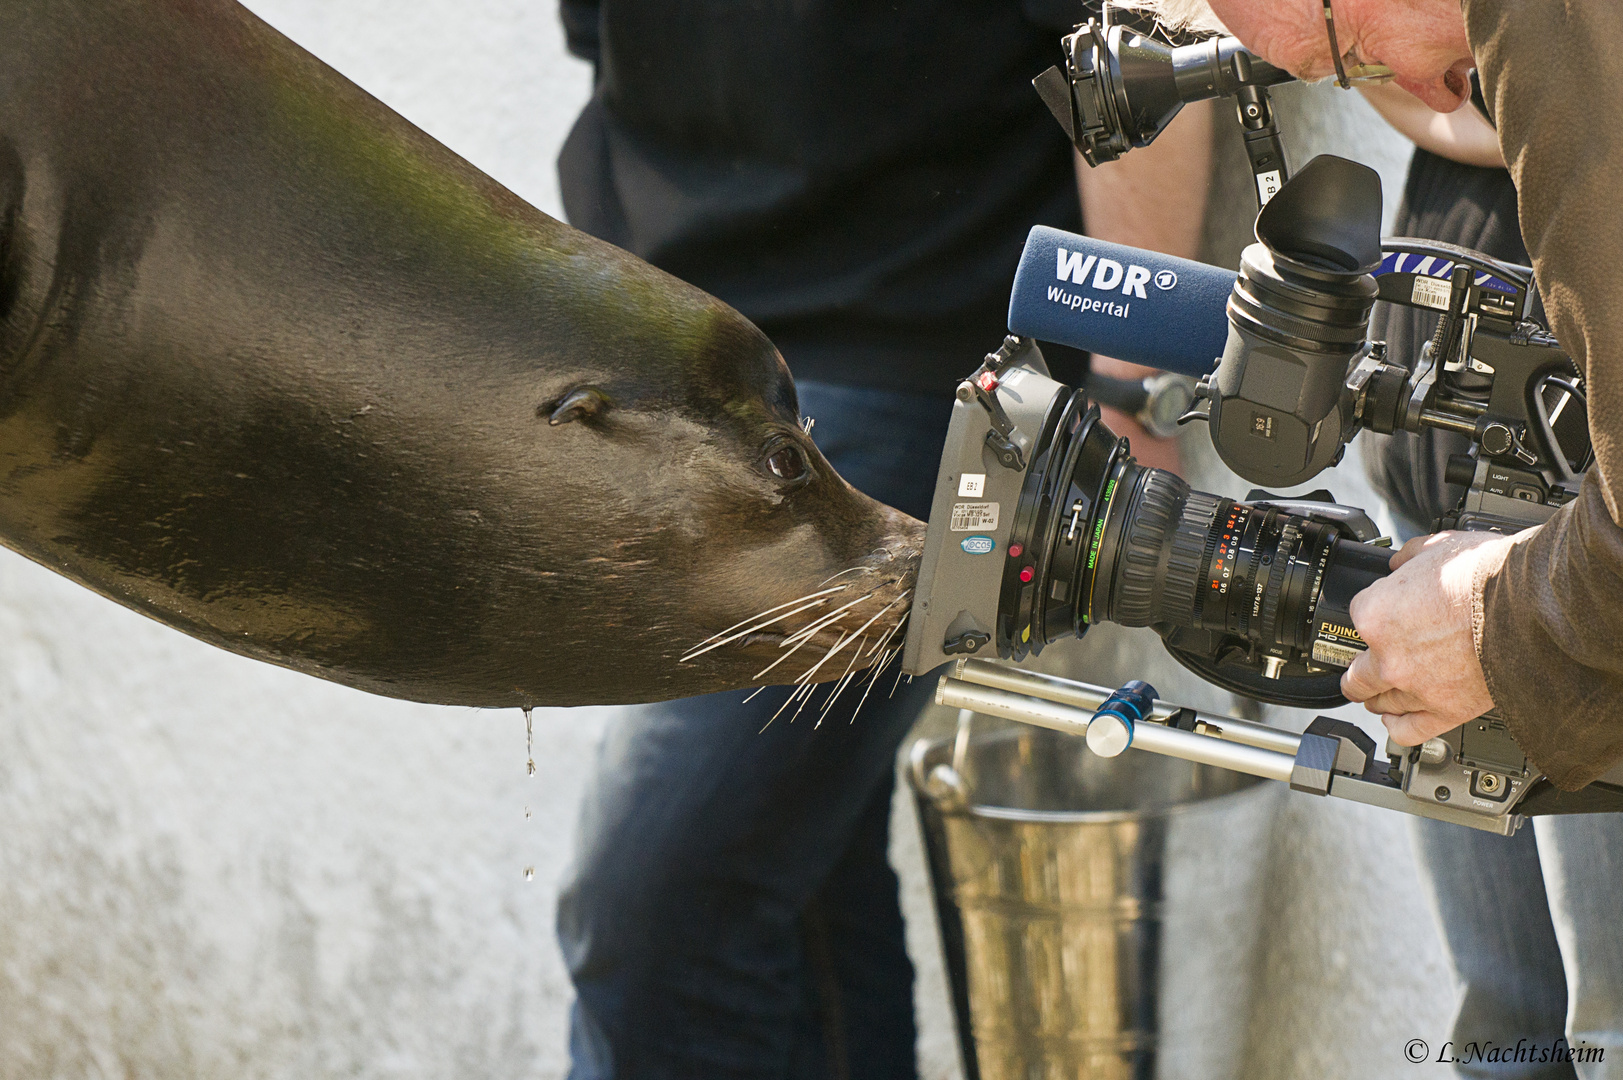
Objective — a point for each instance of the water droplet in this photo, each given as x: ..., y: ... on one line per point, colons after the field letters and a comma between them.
x: 529, y: 743
x: 529, y: 873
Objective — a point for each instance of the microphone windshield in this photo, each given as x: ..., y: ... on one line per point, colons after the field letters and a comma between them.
x: 1135, y: 305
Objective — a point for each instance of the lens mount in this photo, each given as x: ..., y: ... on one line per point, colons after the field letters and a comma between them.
x: 1055, y: 527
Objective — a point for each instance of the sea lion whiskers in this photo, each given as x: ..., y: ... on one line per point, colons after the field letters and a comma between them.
x: 845, y: 677
x: 799, y: 690
x: 758, y: 614
x: 806, y: 677
x: 782, y: 658
x: 703, y: 648
x: 804, y: 701
x: 899, y: 673
x: 848, y: 570
x: 880, y: 644
x: 873, y: 678
x: 811, y: 630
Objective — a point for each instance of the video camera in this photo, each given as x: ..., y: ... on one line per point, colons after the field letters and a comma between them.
x: 1043, y: 524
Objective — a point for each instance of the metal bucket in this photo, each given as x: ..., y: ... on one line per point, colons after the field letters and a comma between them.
x: 1046, y: 864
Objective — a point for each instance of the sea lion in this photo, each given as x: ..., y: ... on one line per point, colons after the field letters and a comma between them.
x: 280, y: 371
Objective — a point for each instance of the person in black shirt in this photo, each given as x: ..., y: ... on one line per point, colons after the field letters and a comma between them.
x: 858, y: 179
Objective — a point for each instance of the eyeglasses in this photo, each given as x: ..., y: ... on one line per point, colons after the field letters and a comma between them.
x: 1354, y: 70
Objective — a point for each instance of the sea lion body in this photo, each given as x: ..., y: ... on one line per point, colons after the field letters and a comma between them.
x: 279, y: 370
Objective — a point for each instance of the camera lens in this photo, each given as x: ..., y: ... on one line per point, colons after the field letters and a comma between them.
x: 1102, y: 538
x: 1242, y: 570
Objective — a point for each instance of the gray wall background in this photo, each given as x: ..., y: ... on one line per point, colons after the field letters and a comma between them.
x: 215, y: 868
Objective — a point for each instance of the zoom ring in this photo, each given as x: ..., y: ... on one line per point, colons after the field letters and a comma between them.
x: 1186, y: 560
x: 1153, y: 513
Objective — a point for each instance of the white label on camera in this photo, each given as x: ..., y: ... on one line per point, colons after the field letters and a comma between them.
x: 1432, y: 292
x: 973, y: 517
x: 972, y: 484
x: 1326, y: 652
x: 1267, y: 186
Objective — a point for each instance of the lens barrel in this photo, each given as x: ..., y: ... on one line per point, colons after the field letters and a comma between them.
x: 1188, y: 559
x: 1101, y: 538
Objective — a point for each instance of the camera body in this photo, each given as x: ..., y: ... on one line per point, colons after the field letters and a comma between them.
x: 1043, y: 523
x: 977, y: 495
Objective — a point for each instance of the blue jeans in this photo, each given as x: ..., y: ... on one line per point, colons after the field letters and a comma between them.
x: 731, y: 912
x: 1533, y: 925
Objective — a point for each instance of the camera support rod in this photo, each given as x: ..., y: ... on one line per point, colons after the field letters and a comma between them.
x: 1318, y: 761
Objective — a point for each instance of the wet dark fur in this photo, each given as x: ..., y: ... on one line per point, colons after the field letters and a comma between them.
x: 282, y: 372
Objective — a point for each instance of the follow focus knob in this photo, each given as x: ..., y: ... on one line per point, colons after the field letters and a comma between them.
x: 1111, y: 729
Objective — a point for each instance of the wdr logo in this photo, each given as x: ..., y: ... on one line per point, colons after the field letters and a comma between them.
x: 1107, y: 273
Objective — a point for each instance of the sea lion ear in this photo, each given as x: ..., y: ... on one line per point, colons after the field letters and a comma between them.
x: 582, y: 403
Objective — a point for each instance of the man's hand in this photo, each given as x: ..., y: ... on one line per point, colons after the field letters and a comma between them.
x: 1421, y: 673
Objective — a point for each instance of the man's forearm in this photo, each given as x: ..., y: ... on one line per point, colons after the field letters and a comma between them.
x: 1551, y: 620
x: 1155, y: 198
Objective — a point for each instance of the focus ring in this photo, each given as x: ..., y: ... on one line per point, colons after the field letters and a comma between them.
x: 1153, y: 515
x: 1186, y: 558
x: 1284, y: 554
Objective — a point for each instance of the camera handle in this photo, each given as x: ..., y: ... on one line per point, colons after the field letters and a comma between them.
x: 1262, y: 142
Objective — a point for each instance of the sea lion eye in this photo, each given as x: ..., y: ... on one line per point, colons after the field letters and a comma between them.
x: 787, y: 462
x: 584, y: 403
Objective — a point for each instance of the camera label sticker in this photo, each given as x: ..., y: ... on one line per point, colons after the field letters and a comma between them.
x: 1432, y: 293
x: 1268, y: 185
x: 1329, y: 652
x: 1337, y: 644
x: 972, y: 484
x: 973, y: 517
x: 978, y: 545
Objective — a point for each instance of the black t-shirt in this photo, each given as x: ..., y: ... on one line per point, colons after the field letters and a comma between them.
x: 856, y: 178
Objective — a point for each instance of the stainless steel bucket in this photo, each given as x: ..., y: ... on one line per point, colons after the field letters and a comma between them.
x: 1046, y: 864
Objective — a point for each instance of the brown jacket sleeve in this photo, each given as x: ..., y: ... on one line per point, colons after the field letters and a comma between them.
x: 1550, y: 621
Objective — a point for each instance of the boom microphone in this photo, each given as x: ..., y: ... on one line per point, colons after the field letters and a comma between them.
x: 1138, y: 306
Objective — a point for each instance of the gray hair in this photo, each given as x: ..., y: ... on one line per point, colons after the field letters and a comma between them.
x: 1196, y: 15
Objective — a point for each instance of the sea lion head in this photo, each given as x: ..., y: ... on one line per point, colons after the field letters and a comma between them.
x: 283, y: 372
x: 731, y: 551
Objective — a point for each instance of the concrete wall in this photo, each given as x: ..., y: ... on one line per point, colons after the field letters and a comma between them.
x: 215, y: 868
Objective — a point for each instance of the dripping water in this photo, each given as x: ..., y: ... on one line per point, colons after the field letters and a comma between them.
x: 529, y: 745
x: 529, y: 770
